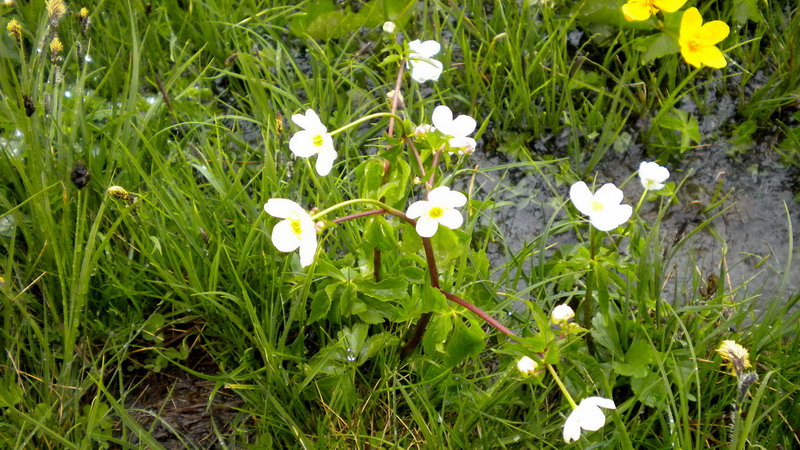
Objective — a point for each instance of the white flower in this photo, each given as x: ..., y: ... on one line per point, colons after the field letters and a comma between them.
x: 297, y: 231
x: 562, y: 314
x: 456, y: 129
x: 389, y: 27
x: 652, y: 175
x: 437, y: 209
x: 586, y: 416
x: 423, y: 68
x: 313, y: 139
x: 527, y: 366
x: 421, y: 130
x: 603, y: 207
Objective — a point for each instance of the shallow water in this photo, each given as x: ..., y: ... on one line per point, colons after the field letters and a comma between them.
x: 755, y: 227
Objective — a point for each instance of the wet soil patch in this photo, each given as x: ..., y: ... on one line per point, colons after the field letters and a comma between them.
x: 182, y: 410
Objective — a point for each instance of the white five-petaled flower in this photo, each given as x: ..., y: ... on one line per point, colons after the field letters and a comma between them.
x: 527, y: 366
x: 562, y: 314
x: 423, y: 67
x: 652, y: 175
x: 439, y: 208
x: 587, y: 416
x: 456, y: 129
x: 603, y: 207
x: 296, y: 231
x: 313, y: 139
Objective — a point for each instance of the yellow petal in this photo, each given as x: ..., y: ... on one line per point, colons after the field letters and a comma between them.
x: 636, y: 11
x: 714, y: 31
x: 712, y: 57
x: 669, y: 5
x: 692, y: 57
x: 691, y: 22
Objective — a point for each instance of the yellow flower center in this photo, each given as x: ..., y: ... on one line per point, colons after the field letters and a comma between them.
x: 435, y: 212
x: 693, y: 45
x: 296, y: 228
x: 318, y: 140
x: 597, y: 206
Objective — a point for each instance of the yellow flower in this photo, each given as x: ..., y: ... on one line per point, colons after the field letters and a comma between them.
x: 56, y: 46
x: 83, y: 13
x: 697, y: 40
x: 643, y: 9
x: 55, y: 8
x: 14, y: 30
x: 735, y: 355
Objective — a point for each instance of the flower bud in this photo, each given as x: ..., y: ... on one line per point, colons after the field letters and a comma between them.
x: 421, y: 130
x: 389, y: 27
x: 562, y: 314
x: 527, y: 366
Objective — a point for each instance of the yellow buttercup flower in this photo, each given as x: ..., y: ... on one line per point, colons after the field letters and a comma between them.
x: 643, y: 9
x: 697, y: 41
x: 735, y: 355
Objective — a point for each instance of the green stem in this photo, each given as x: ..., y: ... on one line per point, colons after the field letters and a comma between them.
x: 381, y: 205
x: 370, y: 117
x: 561, y: 386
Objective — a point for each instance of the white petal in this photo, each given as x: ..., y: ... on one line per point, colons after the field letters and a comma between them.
x: 600, y: 401
x: 308, y: 249
x: 283, y: 208
x: 572, y: 427
x: 426, y: 227
x: 417, y: 209
x: 426, y: 49
x: 284, y: 238
x: 442, y: 119
x: 439, y: 196
x: 309, y: 121
x: 608, y: 195
x: 451, y: 218
x: 456, y: 199
x: 325, y: 161
x: 428, y: 70
x: 612, y: 217
x: 302, y: 144
x: 591, y: 418
x: 581, y: 197
x: 463, y: 126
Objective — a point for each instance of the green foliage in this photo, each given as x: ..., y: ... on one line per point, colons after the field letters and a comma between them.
x: 186, y: 106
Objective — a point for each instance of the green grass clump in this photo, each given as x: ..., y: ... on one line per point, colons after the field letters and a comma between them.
x: 135, y: 250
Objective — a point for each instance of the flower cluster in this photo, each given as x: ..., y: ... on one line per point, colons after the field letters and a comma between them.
x: 697, y: 41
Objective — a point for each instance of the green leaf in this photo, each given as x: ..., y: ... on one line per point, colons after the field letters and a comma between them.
x: 650, y: 390
x: 656, y: 46
x: 744, y: 10
x: 393, y: 288
x: 637, y: 360
x: 432, y: 300
x: 380, y: 235
x: 436, y: 334
x: 319, y: 306
x: 464, y: 342
x: 449, y: 245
